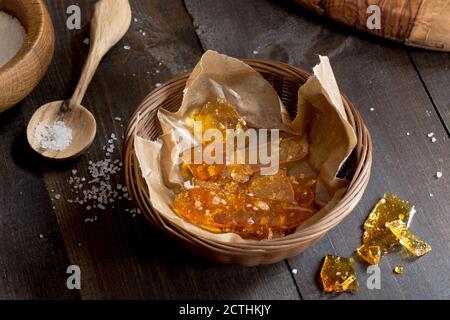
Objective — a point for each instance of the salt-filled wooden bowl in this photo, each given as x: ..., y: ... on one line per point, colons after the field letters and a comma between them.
x: 286, y: 80
x: 20, y: 75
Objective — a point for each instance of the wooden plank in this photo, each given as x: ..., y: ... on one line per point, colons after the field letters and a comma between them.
x: 373, y: 75
x: 434, y: 71
x: 122, y: 256
x: 33, y: 261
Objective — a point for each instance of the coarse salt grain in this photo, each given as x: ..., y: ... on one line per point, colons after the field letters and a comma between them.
x: 294, y: 271
x: 439, y: 174
x: 56, y: 137
x: 12, y: 34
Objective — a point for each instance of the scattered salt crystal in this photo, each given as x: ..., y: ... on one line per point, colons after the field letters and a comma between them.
x: 372, y: 109
x: 57, y: 196
x: 101, y: 189
x: 431, y: 134
x: 250, y: 221
x: 135, y: 19
x: 439, y: 174
x: 255, y: 52
x: 86, y: 41
x: 118, y: 118
x: 12, y: 34
x: 127, y: 47
x: 433, y: 139
x: 79, y: 244
x: 157, y: 85
x: 41, y: 236
x: 56, y: 137
x: 431, y: 195
x: 294, y: 271
x: 408, y: 133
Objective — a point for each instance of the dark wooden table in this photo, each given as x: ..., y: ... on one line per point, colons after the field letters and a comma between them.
x: 403, y: 94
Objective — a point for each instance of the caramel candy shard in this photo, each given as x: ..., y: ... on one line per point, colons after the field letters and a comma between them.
x: 370, y: 253
x: 228, y: 208
x: 273, y: 187
x: 304, y: 190
x: 408, y: 239
x: 293, y: 148
x: 388, y: 209
x: 398, y: 269
x: 338, y: 275
x: 219, y: 115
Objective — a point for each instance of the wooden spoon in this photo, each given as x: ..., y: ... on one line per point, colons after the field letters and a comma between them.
x: 109, y: 24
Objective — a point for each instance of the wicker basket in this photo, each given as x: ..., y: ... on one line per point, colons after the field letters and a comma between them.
x: 286, y: 80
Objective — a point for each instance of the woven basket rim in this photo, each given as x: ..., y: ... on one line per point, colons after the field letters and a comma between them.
x: 252, y: 247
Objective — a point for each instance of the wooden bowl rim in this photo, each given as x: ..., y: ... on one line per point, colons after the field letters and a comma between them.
x: 357, y: 184
x: 32, y: 37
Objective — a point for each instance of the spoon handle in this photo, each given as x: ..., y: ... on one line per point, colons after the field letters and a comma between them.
x: 109, y: 24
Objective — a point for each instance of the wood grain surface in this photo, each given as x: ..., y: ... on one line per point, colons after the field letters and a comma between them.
x: 397, y: 91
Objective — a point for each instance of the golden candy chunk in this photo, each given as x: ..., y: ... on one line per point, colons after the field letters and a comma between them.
x: 408, y: 239
x: 273, y: 187
x: 388, y: 209
x: 338, y: 275
x: 293, y: 148
x: 398, y: 269
x: 219, y: 115
x: 304, y: 190
x: 370, y: 253
x: 230, y: 209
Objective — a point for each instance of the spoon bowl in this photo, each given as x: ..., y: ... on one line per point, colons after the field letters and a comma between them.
x: 79, y: 119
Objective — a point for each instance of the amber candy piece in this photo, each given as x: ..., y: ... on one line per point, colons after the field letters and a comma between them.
x: 231, y: 209
x: 274, y: 187
x: 304, y: 189
x: 388, y: 209
x: 338, y: 275
x: 407, y: 238
x: 398, y: 269
x: 370, y: 253
x: 293, y: 148
x: 219, y: 115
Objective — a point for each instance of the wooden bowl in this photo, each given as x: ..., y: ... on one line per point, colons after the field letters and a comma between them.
x: 21, y: 74
x: 416, y: 23
x: 286, y: 80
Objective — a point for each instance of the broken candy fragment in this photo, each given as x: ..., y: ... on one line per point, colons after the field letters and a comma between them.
x: 338, y: 275
x: 388, y: 209
x: 228, y: 208
x: 219, y: 115
x: 370, y: 253
x: 273, y: 187
x: 408, y: 239
x: 398, y: 269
